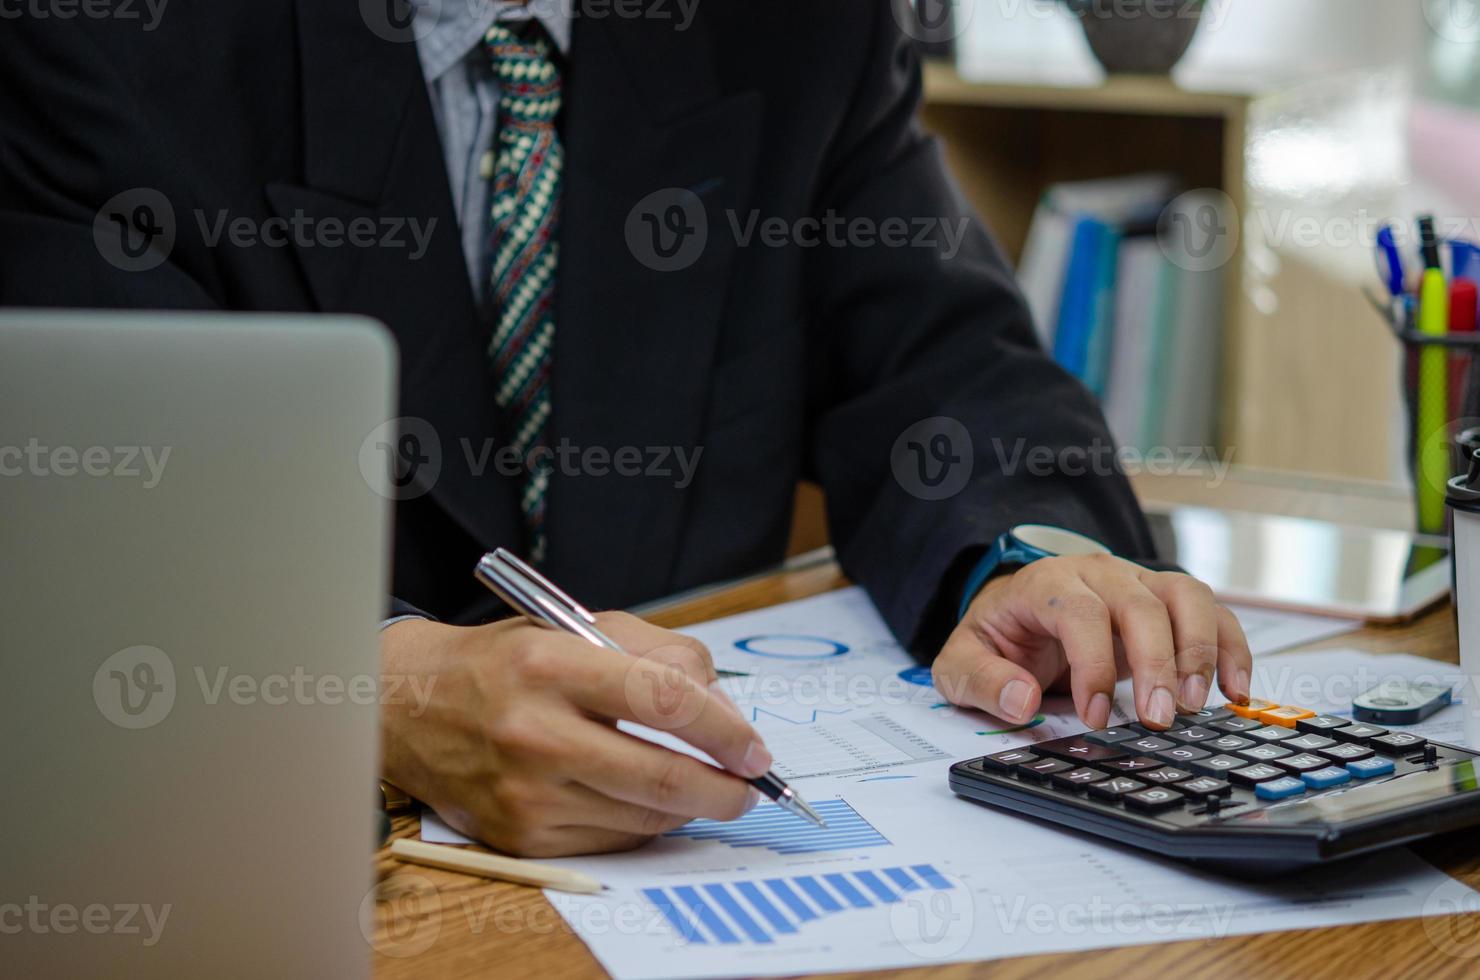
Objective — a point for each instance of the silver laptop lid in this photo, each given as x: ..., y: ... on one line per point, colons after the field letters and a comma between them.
x: 192, y: 565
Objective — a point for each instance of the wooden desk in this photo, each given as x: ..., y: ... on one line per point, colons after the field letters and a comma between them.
x: 451, y: 926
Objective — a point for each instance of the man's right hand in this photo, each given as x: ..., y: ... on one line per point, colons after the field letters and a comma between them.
x: 516, y: 744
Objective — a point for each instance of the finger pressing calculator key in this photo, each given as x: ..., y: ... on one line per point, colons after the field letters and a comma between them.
x: 1259, y: 788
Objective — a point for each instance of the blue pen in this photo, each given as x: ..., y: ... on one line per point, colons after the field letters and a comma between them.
x: 1466, y: 259
x: 1390, y: 270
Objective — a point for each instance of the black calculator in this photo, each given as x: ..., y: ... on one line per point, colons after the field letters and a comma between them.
x: 1253, y: 789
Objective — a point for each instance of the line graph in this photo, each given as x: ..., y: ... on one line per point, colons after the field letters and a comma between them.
x: 775, y: 829
x: 812, y: 717
x: 852, y: 745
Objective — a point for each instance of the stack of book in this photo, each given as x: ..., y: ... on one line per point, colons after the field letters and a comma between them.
x: 1140, y: 331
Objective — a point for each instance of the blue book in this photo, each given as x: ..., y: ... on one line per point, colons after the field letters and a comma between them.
x: 1079, y: 308
x: 1102, y: 330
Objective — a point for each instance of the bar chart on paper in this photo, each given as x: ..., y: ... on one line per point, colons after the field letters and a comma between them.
x: 761, y: 910
x: 771, y: 827
x: 847, y: 746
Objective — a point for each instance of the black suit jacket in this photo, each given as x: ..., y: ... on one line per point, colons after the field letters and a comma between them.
x: 774, y: 363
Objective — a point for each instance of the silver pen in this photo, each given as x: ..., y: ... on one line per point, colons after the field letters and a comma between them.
x: 545, y: 603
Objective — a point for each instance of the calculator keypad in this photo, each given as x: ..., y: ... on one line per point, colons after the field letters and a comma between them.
x: 1398, y: 743
x: 1271, y: 733
x: 1304, y: 762
x: 1078, y: 778
x: 1279, y: 789
x: 1284, y: 716
x: 1166, y: 774
x: 1004, y: 761
x: 1252, y: 707
x: 1259, y: 772
x: 1183, y: 753
x: 1264, y: 753
x: 1041, y: 769
x: 1367, y: 768
x: 1193, y: 734
x: 1115, y: 787
x: 1111, y: 736
x: 1204, y: 717
x: 1310, y: 743
x: 1346, y: 752
x: 1360, y: 733
x: 1321, y: 724
x: 1079, y: 749
x: 1210, y: 762
x: 1136, y: 766
x: 1217, y: 765
x: 1154, y: 799
x: 1204, y: 786
x: 1326, y: 778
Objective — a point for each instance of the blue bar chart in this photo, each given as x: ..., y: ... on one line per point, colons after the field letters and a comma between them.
x: 759, y: 911
x: 773, y: 828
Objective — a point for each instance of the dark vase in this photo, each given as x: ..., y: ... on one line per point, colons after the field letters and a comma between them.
x: 1145, y: 39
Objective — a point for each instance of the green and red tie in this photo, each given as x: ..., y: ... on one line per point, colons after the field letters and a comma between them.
x: 526, y: 210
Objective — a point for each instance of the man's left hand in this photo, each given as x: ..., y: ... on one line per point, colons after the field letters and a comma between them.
x: 1079, y: 623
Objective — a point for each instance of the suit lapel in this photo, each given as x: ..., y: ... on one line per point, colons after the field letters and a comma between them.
x: 371, y: 151
x: 645, y: 119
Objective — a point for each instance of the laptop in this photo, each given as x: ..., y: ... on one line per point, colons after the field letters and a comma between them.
x: 193, y: 561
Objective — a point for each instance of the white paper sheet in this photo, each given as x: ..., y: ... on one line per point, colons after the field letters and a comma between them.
x: 985, y: 885
x: 907, y: 873
x: 1271, y: 630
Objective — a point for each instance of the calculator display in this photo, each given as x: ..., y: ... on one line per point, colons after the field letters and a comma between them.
x: 1347, y: 804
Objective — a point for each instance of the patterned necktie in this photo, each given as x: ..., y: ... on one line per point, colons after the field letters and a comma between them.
x: 526, y: 210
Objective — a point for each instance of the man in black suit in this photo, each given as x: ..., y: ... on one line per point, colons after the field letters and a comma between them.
x: 647, y: 269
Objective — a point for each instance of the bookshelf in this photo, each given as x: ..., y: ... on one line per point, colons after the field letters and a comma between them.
x: 1007, y: 143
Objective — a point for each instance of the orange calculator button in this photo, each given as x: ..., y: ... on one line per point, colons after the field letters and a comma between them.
x: 1252, y: 709
x: 1284, y: 716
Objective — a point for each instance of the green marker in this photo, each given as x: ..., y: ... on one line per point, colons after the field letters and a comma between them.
x: 1432, y: 471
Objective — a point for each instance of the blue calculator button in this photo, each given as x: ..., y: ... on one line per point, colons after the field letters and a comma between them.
x: 1322, y: 778
x: 1278, y: 789
x: 1367, y: 768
